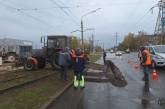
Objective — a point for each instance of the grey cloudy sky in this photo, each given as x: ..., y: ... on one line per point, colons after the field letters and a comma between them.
x: 120, y: 16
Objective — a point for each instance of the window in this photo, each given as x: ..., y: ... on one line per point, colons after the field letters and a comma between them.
x: 55, y: 43
x: 25, y: 48
x: 159, y: 49
x: 151, y: 50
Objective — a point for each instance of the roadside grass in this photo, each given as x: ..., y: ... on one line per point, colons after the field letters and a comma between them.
x: 93, y: 57
x: 24, y: 77
x: 33, y: 96
x: 10, y: 75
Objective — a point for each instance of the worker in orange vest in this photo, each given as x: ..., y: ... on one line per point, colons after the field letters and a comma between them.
x: 72, y: 53
x: 146, y: 62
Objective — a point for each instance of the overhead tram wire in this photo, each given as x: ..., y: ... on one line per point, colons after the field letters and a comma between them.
x: 38, y: 9
x: 44, y: 8
x: 48, y: 8
x: 69, y: 9
x: 28, y: 15
x: 142, y: 18
x: 148, y: 23
x: 54, y: 2
x: 34, y: 18
x: 65, y: 12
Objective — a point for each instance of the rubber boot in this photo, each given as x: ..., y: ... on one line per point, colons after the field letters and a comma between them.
x: 82, y: 82
x: 75, y: 82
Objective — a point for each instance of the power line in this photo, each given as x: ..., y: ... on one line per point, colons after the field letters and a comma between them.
x: 116, y: 36
x: 64, y: 7
x: 110, y: 4
x: 37, y: 9
x: 69, y: 9
x: 140, y: 19
x: 55, y: 3
x: 28, y: 15
x: 21, y: 10
x: 45, y: 8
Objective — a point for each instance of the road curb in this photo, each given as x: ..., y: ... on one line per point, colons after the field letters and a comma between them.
x: 57, y: 95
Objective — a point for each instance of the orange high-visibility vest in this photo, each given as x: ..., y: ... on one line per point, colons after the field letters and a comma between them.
x: 73, y: 54
x: 81, y: 56
x: 148, y: 61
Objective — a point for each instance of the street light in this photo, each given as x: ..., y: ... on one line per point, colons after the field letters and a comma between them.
x: 93, y: 11
x: 82, y: 29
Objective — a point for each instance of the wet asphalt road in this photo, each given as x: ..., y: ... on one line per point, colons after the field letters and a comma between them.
x: 107, y: 96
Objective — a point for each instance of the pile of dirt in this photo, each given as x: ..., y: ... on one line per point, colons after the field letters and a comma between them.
x: 115, y: 75
x: 109, y: 71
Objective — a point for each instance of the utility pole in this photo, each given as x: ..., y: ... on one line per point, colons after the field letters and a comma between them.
x: 103, y: 46
x: 97, y: 43
x: 79, y: 42
x: 82, y: 35
x: 163, y: 20
x: 82, y: 30
x: 92, y: 43
x: 43, y: 40
x: 116, y: 35
x: 90, y: 46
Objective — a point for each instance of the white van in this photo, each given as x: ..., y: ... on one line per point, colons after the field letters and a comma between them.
x: 157, y: 55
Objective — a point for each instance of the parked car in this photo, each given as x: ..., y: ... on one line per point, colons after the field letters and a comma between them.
x: 112, y: 51
x: 157, y: 55
x: 127, y: 51
x: 118, y: 53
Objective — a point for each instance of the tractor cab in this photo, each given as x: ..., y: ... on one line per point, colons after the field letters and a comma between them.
x: 56, y: 44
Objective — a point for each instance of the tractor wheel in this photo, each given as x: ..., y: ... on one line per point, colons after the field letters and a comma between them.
x: 54, y: 61
x: 11, y: 58
x: 30, y: 64
x: 41, y: 62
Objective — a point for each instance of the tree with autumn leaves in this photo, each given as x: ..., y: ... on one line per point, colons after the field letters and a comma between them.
x: 133, y: 42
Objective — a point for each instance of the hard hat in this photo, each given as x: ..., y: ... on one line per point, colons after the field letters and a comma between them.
x: 78, y: 51
x: 66, y: 49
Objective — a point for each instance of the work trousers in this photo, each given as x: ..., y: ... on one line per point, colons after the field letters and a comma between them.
x: 104, y: 59
x: 78, y: 75
x: 64, y: 72
x: 146, y: 70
